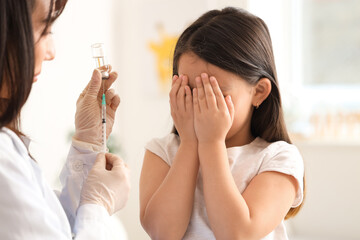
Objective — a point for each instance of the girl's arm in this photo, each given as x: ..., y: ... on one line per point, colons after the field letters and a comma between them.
x: 232, y: 215
x: 251, y: 215
x: 167, y: 193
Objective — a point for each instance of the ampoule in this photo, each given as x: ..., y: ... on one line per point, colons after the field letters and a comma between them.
x: 98, y: 53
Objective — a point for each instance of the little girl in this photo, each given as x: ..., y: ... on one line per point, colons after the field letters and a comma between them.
x: 228, y: 170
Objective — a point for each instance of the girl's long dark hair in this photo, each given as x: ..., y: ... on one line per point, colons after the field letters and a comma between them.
x: 239, y: 42
x: 17, y: 55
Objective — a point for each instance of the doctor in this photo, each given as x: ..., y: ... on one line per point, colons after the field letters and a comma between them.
x: 94, y: 185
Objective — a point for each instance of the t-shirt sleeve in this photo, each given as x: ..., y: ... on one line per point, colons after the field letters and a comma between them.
x: 285, y: 158
x: 165, y: 147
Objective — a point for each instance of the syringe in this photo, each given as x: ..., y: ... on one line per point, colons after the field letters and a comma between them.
x: 98, y: 53
x: 103, y: 114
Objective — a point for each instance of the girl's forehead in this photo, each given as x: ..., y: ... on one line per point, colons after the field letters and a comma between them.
x: 192, y: 66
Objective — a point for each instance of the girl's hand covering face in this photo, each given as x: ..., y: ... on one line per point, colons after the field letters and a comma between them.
x: 182, y: 108
x: 213, y: 113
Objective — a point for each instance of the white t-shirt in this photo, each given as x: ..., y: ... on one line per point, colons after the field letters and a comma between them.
x: 245, y: 163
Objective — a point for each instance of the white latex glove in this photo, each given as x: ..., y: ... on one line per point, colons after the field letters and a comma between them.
x: 88, y: 130
x: 108, y: 183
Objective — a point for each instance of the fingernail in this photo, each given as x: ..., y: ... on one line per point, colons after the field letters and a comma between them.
x: 204, y: 75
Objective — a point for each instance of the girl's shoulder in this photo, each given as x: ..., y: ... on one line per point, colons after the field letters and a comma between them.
x: 262, y: 147
x: 280, y: 149
x: 167, y: 140
x: 276, y: 154
x: 165, y: 147
x: 262, y: 156
x: 285, y: 158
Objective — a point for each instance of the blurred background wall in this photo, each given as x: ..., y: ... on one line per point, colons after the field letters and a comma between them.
x: 322, y: 116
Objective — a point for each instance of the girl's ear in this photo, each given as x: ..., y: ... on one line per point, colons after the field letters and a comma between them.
x: 261, y: 91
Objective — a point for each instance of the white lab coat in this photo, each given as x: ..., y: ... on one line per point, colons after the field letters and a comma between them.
x: 29, y: 209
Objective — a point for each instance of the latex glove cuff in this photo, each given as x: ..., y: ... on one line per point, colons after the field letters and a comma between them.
x: 87, y: 146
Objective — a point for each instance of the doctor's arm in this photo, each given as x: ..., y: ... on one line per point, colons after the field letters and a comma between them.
x: 106, y: 188
x: 24, y: 212
x: 86, y: 142
x: 28, y: 211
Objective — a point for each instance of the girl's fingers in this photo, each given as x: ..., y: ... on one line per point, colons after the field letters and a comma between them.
x: 196, y: 102
x: 174, y: 91
x: 218, y: 94
x: 180, y: 98
x: 209, y: 93
x: 230, y: 107
x: 184, y: 84
x: 200, y: 93
x: 188, y: 99
x: 175, y: 77
x: 185, y: 80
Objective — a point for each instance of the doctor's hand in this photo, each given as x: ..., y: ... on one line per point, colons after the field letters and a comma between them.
x: 88, y: 127
x: 108, y: 183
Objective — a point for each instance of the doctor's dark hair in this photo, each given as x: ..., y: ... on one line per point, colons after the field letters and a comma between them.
x: 239, y: 42
x: 17, y: 60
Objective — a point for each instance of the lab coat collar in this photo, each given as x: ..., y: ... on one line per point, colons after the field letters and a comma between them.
x: 22, y: 142
x: 26, y: 141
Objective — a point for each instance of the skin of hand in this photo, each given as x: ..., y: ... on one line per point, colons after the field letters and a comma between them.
x: 214, y: 115
x: 165, y: 202
x: 88, y: 123
x: 258, y: 216
x: 181, y: 105
x: 108, y: 183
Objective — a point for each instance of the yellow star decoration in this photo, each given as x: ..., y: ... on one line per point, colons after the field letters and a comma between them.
x: 164, y: 52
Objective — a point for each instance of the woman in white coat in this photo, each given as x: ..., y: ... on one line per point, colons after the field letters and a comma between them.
x: 94, y: 185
